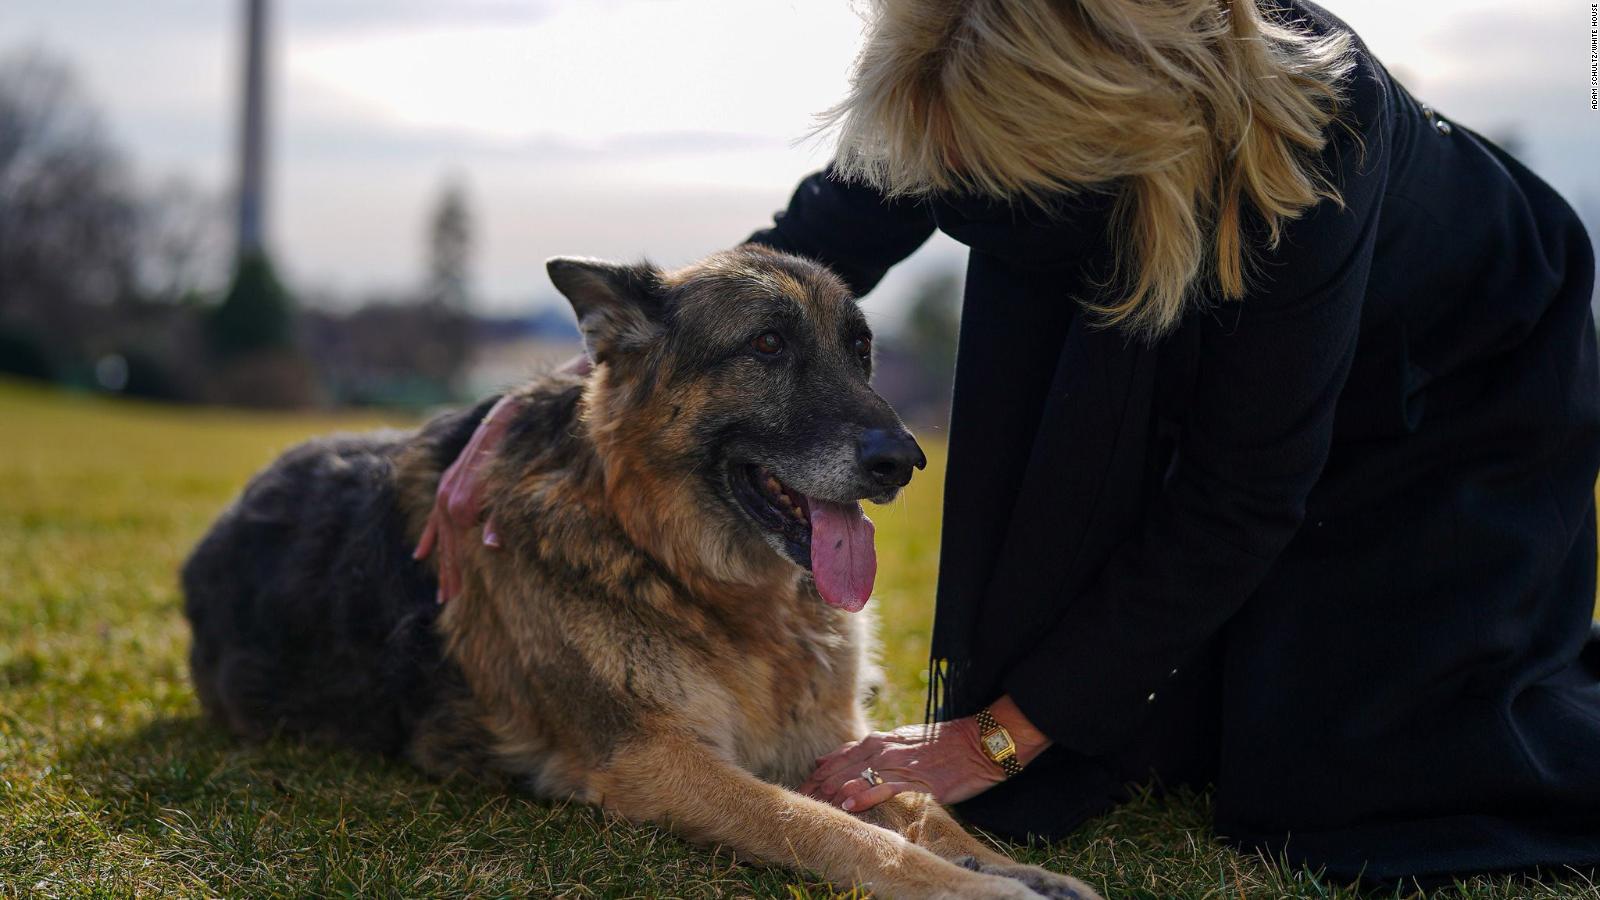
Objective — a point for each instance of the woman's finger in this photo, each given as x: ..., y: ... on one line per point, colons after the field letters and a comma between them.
x: 835, y: 752
x: 869, y: 797
x: 827, y: 787
x: 854, y: 755
x: 810, y: 786
x: 847, y: 788
x: 462, y: 503
x: 578, y: 365
x: 829, y: 766
x: 848, y: 764
x: 838, y: 784
x: 425, y: 543
x: 442, y: 570
x: 449, y: 576
x: 829, y: 780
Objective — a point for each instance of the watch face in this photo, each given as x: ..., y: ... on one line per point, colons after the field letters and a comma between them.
x: 995, y: 742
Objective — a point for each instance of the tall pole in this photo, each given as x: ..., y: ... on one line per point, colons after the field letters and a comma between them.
x: 253, y: 133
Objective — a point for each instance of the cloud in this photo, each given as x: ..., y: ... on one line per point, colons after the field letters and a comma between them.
x: 626, y: 126
x: 334, y: 140
x: 595, y: 70
x: 306, y: 17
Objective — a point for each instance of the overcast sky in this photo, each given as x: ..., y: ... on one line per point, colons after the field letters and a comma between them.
x: 628, y: 127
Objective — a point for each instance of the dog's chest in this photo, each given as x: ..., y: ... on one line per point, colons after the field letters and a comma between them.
x: 800, y: 700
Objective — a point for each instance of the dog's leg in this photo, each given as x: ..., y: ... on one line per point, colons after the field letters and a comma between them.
x: 927, y: 824
x: 449, y: 740
x: 679, y: 781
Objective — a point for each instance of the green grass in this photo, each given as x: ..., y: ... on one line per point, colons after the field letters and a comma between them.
x: 111, y: 784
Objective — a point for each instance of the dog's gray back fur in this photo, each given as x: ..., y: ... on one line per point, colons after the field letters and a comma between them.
x: 308, y: 614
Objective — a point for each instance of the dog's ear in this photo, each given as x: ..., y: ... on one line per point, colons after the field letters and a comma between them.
x: 618, y: 306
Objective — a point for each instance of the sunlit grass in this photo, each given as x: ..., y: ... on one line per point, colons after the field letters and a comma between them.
x: 110, y: 783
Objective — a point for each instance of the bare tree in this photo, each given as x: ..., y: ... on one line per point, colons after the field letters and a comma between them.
x: 68, y: 221
x: 446, y: 294
x: 183, y: 249
x: 450, y: 248
x: 931, y: 328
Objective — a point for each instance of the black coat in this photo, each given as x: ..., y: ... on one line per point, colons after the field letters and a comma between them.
x: 1331, y: 548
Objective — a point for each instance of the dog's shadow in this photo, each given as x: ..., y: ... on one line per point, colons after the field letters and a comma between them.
x: 183, y: 778
x: 289, y: 816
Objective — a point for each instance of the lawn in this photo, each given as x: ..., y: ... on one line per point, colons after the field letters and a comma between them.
x: 111, y: 784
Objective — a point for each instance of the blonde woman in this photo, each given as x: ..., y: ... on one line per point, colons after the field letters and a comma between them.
x: 1275, y: 432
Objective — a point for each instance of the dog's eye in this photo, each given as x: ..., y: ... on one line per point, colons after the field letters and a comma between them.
x: 769, y: 343
x: 863, y: 348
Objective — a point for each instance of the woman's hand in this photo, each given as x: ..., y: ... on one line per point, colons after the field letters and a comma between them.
x: 944, y: 759
x: 459, y: 502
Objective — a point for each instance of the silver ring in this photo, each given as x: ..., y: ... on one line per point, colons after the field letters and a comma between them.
x: 871, y: 776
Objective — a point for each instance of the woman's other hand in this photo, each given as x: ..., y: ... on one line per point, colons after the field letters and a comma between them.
x: 944, y: 759
x: 458, y: 504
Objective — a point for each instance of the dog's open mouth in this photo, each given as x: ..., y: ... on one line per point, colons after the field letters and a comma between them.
x: 833, y: 540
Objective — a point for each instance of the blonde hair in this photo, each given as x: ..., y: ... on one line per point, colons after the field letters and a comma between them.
x: 1188, y: 109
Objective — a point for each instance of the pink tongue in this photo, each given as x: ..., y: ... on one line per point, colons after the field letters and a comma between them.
x: 843, y: 559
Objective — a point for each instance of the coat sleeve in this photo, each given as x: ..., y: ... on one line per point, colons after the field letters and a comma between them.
x: 1255, y: 440
x: 849, y: 227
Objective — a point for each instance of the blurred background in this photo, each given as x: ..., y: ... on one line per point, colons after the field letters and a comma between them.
x: 328, y: 203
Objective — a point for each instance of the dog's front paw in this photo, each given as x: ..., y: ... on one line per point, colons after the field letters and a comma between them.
x: 1041, y: 881
x: 987, y: 884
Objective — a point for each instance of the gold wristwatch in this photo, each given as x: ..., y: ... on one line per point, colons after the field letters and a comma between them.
x: 997, y: 743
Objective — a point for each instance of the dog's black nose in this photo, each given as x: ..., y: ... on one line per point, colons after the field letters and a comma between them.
x: 889, y: 456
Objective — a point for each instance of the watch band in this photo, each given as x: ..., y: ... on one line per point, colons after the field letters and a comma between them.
x: 1008, y: 763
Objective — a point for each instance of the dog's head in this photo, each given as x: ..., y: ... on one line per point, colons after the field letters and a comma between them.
x: 734, y: 396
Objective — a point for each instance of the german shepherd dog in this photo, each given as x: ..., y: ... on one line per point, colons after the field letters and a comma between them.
x: 666, y: 629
